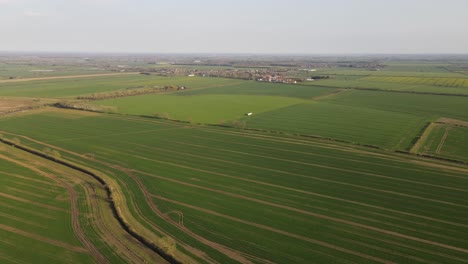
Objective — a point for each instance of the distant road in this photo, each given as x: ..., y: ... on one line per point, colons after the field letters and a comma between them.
x: 66, y: 77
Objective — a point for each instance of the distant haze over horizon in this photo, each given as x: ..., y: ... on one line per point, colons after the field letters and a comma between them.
x: 296, y: 27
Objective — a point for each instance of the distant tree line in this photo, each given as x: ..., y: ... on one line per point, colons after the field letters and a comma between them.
x: 130, y: 92
x: 320, y: 77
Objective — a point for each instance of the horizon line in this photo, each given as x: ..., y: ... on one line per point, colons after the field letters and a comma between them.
x: 32, y: 52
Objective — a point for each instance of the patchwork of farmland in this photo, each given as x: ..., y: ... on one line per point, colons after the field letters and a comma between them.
x: 298, y: 181
x: 240, y: 196
x: 72, y: 87
x: 26, y: 70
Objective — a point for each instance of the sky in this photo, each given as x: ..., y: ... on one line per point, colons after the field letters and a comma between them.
x: 235, y: 26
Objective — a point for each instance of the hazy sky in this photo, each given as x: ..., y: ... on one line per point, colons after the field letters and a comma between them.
x: 235, y: 26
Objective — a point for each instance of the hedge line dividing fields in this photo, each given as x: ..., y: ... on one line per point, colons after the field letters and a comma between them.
x: 243, y: 196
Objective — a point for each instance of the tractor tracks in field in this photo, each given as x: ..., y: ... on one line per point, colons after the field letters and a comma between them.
x: 148, y: 197
x: 117, y: 212
x: 309, y: 193
x: 442, y: 141
x: 320, y: 165
x: 43, y: 239
x: 317, y: 215
x: 214, y: 245
x: 313, y: 194
x: 77, y: 229
x: 325, y: 180
x: 314, y: 241
x: 401, y: 244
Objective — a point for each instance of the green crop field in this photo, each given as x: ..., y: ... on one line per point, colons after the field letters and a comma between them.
x: 63, y: 88
x: 424, y: 105
x: 455, y: 144
x: 446, y: 141
x: 390, y: 130
x: 212, y: 109
x: 262, y: 88
x: 35, y: 216
x: 363, y: 165
x: 20, y: 70
x: 446, y: 82
x: 388, y: 86
x: 243, y: 196
x: 404, y: 69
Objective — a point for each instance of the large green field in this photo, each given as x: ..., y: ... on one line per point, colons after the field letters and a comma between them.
x: 214, y: 109
x: 242, y: 196
x: 445, y: 82
x: 404, y: 69
x: 361, y: 125
x: 424, y: 105
x: 377, y: 83
x: 26, y: 70
x: 263, y: 88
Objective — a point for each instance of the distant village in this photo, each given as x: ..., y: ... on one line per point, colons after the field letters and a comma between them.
x: 259, y: 75
x: 267, y: 70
